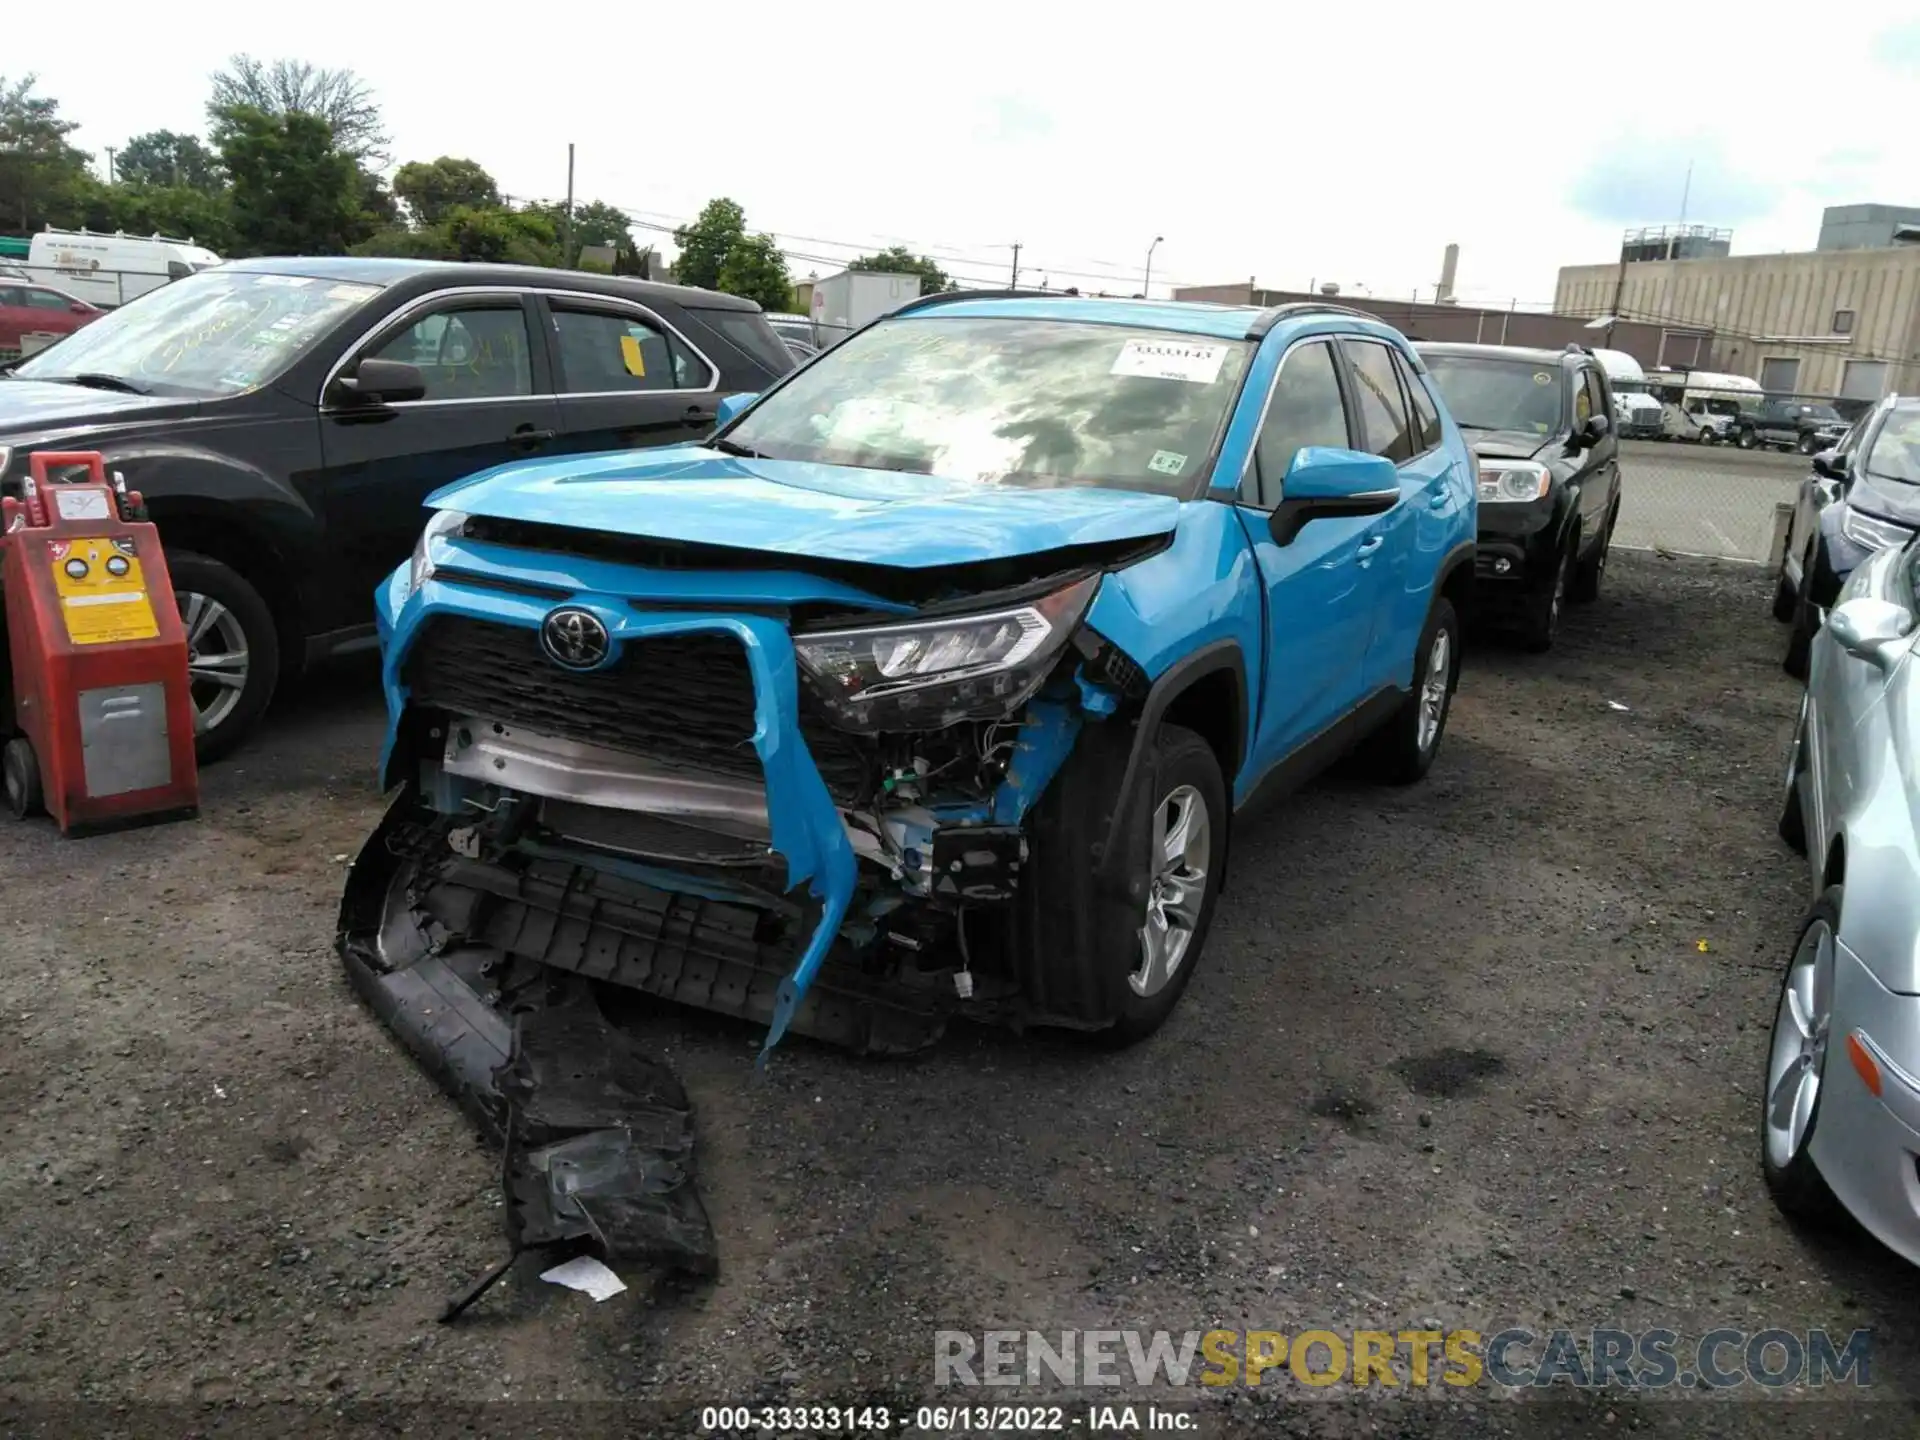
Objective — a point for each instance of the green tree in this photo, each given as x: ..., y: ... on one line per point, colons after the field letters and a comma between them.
x: 595, y: 223
x: 755, y: 268
x: 707, y: 242
x: 898, y: 260
x: 43, y: 179
x: 432, y: 189
x: 293, y: 191
x: 293, y: 87
x: 204, y: 217
x: 166, y: 157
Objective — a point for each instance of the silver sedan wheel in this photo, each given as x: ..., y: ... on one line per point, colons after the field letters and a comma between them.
x: 1182, y: 846
x: 216, y: 658
x: 1798, y: 1058
x: 1434, y: 690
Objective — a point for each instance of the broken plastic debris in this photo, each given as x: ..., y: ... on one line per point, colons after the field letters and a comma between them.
x: 586, y: 1274
x: 1701, y: 946
x: 340, y: 859
x: 1615, y: 705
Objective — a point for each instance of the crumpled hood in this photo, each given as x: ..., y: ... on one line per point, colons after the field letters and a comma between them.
x: 33, y: 406
x: 694, y: 495
x: 1893, y: 500
x: 1507, y: 444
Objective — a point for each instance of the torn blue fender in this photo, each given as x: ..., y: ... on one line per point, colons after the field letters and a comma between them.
x: 1045, y: 740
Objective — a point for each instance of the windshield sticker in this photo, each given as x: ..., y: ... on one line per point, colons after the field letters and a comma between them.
x: 352, y: 292
x: 1170, y: 360
x: 292, y: 282
x: 1541, y: 377
x: 1167, y: 462
x: 630, y: 352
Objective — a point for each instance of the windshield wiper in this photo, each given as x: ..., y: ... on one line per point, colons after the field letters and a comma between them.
x: 99, y: 380
x: 730, y: 447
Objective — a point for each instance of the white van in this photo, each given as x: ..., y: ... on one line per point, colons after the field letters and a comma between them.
x: 1709, y: 404
x: 109, y: 270
x: 1638, y: 414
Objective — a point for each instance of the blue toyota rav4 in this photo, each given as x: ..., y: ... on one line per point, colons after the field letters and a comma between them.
x: 931, y: 683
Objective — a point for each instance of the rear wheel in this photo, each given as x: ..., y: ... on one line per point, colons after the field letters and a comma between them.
x: 1796, y: 1068
x: 1402, y: 750
x: 1747, y: 440
x: 233, y: 651
x: 1808, y: 444
x: 20, y: 770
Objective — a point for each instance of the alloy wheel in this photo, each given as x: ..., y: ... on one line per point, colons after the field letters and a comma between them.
x: 216, y: 658
x: 1798, y: 1057
x: 1435, y: 689
x: 1182, y: 848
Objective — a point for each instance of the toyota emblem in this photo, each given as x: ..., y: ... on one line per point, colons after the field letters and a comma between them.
x: 574, y: 638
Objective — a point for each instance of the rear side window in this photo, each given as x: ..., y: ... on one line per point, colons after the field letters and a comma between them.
x: 1383, y: 411
x: 604, y: 351
x: 1305, y: 409
x: 1426, y: 416
x: 748, y: 332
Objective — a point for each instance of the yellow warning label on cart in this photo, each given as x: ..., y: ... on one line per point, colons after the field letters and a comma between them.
x: 103, y: 594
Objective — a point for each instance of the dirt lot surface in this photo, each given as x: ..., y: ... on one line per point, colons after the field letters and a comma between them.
x: 1484, y: 1052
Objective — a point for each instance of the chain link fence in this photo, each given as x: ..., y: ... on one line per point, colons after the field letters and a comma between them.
x: 1704, y: 499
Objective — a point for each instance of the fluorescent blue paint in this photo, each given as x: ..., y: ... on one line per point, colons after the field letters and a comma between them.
x: 793, y: 508
x: 1045, y: 740
x: 732, y: 405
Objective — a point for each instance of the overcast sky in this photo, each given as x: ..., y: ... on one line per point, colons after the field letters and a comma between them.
x: 1329, y: 142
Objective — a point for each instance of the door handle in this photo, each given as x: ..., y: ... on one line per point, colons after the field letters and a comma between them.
x: 1368, y: 546
x: 1439, y: 499
x: 528, y: 438
x: 695, y: 412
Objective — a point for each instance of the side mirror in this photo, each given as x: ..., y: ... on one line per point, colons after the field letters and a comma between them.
x: 1830, y: 463
x: 1872, y: 630
x: 384, y: 382
x: 1324, y: 481
x: 1591, y: 433
x: 732, y: 405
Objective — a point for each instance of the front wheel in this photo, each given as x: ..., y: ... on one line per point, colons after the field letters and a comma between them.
x: 1806, y: 624
x: 1808, y: 445
x: 1588, y: 573
x: 1747, y: 440
x: 1542, y: 625
x: 1796, y: 1068
x: 233, y: 651
x: 1792, y: 824
x: 1402, y: 750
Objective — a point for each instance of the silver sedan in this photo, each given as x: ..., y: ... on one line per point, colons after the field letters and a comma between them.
x: 1841, y: 1116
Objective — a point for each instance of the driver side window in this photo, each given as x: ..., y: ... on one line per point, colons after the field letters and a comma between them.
x: 475, y: 352
x: 1305, y: 408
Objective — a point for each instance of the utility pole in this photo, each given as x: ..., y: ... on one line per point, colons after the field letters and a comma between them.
x: 1686, y: 192
x: 566, y: 238
x: 1015, y: 285
x: 1146, y: 286
x: 109, y: 150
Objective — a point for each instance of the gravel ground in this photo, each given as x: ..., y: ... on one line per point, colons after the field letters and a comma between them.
x: 1482, y: 1052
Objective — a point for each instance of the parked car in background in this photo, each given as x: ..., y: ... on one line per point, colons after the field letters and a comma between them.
x: 284, y: 419
x: 1789, y: 425
x: 1541, y: 423
x: 1860, y: 497
x: 983, y: 624
x: 1840, y: 1113
x: 39, y: 310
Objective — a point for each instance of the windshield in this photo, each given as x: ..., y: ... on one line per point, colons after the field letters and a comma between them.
x: 1896, y: 449
x: 1490, y: 394
x: 1819, y: 412
x: 1009, y: 402
x: 215, y: 333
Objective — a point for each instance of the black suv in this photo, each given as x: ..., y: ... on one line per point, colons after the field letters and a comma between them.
x: 1789, y: 425
x: 1541, y: 422
x: 284, y: 418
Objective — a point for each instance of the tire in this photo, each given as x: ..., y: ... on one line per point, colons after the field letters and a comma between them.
x: 20, y: 770
x: 1402, y: 750
x: 1786, y: 1161
x: 1707, y: 436
x: 1805, y: 625
x: 1785, y: 599
x: 218, y: 606
x: 1542, y: 625
x: 1792, y: 824
x: 1746, y: 440
x: 1588, y: 573
x: 1808, y: 445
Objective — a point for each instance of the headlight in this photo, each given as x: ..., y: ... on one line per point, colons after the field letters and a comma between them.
x: 1869, y: 533
x: 440, y: 523
x: 1513, y: 481
x: 925, y: 674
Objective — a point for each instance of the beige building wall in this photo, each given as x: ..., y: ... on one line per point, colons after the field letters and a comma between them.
x: 1849, y: 318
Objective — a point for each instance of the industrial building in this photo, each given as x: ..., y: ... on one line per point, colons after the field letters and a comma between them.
x: 1841, y: 320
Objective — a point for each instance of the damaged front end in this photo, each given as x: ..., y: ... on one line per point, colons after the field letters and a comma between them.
x: 801, y: 797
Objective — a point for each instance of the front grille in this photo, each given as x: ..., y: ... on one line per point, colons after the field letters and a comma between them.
x: 684, y: 701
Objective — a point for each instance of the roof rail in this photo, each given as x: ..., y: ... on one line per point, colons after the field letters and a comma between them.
x: 1274, y: 314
